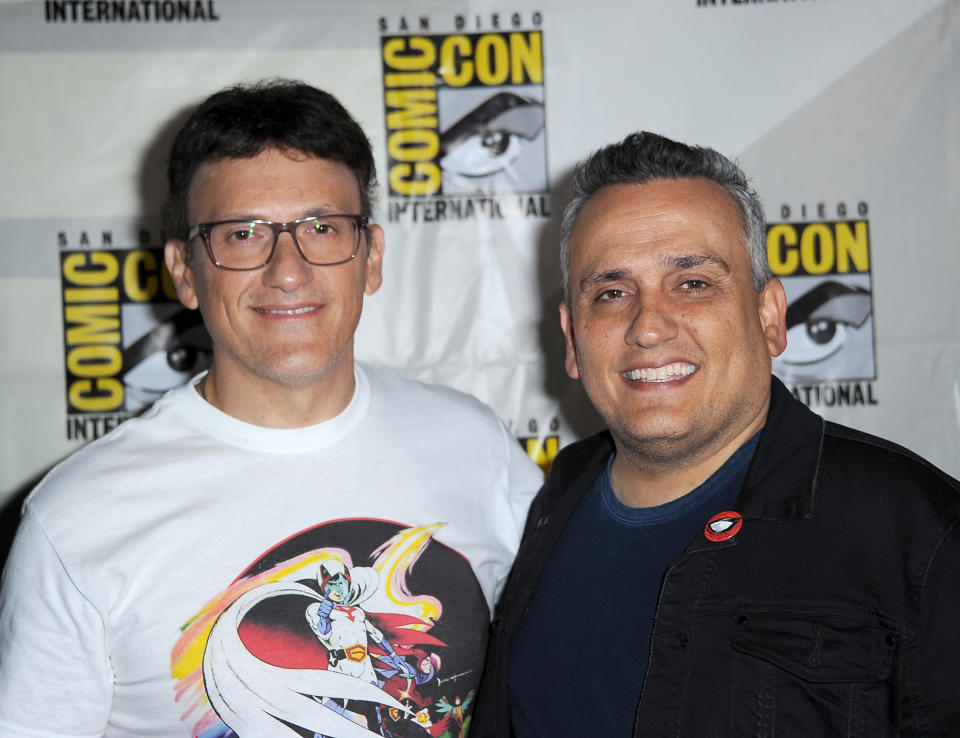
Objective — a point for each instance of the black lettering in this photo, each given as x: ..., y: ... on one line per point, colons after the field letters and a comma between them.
x: 858, y: 394
x: 843, y: 394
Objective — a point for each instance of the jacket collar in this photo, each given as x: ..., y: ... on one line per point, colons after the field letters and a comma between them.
x: 782, y: 480
x: 780, y: 484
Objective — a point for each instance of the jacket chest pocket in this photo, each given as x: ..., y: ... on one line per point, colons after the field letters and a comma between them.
x: 811, y: 675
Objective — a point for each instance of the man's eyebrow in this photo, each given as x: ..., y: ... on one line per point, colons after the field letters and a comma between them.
x: 593, y: 278
x: 691, y: 261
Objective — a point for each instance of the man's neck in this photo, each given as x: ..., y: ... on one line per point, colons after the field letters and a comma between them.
x: 273, y: 404
x: 644, y: 480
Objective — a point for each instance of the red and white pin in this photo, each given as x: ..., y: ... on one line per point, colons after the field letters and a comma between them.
x: 723, y: 526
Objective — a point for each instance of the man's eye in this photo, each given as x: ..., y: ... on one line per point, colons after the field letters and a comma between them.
x: 608, y: 295
x: 243, y: 235
x: 694, y: 285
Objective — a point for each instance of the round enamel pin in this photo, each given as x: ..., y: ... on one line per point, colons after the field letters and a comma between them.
x: 723, y: 526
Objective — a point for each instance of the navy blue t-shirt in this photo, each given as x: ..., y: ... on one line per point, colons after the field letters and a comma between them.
x: 578, y: 662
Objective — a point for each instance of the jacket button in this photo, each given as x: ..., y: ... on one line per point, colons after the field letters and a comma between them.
x: 682, y: 641
x: 742, y: 620
x: 891, y: 639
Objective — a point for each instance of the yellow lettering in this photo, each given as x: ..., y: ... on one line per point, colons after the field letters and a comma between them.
x: 96, y: 324
x: 526, y: 58
x: 409, y: 53
x: 95, y: 268
x: 410, y: 79
x: 455, y: 67
x: 781, y: 249
x: 416, y: 108
x: 413, y: 144
x: 91, y: 294
x: 853, y: 246
x: 94, y: 360
x: 544, y: 453
x: 423, y: 178
x: 493, y: 60
x: 98, y: 396
x: 817, y: 249
x: 139, y: 275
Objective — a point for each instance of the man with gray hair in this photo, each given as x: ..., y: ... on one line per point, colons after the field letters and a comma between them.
x: 720, y: 561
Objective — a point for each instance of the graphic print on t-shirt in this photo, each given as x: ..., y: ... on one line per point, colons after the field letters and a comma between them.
x: 334, y: 632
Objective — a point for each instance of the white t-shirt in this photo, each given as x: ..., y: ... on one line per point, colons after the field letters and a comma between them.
x: 186, y: 522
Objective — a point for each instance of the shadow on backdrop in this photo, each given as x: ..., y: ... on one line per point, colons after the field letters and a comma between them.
x: 573, y: 406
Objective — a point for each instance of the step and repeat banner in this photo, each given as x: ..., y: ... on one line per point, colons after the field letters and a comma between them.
x: 844, y: 113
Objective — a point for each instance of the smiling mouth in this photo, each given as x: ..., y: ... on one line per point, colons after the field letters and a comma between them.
x: 287, y: 311
x: 666, y: 373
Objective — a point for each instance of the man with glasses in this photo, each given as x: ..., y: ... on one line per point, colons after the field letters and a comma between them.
x: 172, y: 577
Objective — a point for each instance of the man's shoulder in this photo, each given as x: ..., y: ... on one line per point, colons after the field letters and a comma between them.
x: 893, y: 483
x: 428, y: 401
x: 125, y: 450
x: 884, y: 455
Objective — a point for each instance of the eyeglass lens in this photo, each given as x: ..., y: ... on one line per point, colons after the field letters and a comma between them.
x: 248, y: 244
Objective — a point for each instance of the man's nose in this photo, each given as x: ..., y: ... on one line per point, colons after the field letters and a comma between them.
x: 653, y: 323
x: 287, y: 269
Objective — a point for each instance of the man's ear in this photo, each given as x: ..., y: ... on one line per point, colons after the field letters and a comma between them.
x: 177, y: 258
x: 566, y: 325
x: 773, y: 316
x: 373, y: 274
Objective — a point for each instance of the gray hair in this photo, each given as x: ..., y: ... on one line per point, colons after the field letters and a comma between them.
x: 643, y: 157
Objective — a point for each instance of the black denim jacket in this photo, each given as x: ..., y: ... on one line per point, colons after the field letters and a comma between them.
x: 835, y: 611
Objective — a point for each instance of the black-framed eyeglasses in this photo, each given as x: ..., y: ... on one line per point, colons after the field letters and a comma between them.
x: 242, y: 245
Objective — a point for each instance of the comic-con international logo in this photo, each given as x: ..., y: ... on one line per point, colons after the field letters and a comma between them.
x: 465, y: 125
x: 825, y: 268
x: 126, y: 337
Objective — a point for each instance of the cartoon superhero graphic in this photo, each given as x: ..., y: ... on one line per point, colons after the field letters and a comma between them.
x: 307, y: 644
x: 454, y: 723
x: 342, y: 626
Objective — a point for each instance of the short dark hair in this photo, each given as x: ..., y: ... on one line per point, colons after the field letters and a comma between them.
x: 643, y: 157
x: 246, y: 119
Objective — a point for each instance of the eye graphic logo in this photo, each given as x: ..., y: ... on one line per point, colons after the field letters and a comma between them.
x: 496, y: 146
x: 825, y: 270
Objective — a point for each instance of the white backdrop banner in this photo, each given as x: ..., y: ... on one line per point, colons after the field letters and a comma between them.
x: 844, y: 112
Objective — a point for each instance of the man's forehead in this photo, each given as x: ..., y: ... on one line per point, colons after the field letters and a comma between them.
x: 689, y: 218
x: 260, y: 173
